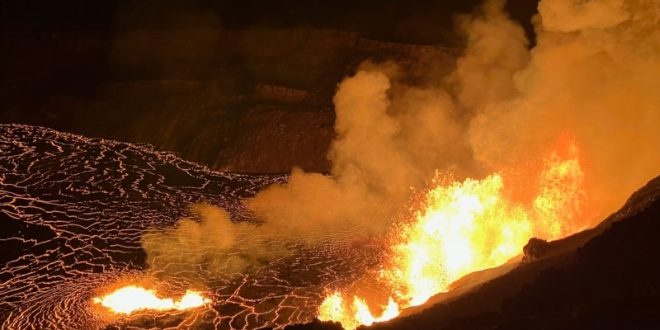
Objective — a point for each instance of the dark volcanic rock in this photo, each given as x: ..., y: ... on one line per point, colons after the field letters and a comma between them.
x: 316, y: 325
x: 249, y: 101
x: 535, y: 249
x: 271, y: 135
x: 611, y: 282
x: 615, y: 282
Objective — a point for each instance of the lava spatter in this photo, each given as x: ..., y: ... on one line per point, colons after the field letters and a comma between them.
x: 464, y: 227
x: 132, y: 298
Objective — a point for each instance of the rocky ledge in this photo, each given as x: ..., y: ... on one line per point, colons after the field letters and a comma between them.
x: 246, y: 101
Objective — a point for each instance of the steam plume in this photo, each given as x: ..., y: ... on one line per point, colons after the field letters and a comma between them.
x: 594, y: 73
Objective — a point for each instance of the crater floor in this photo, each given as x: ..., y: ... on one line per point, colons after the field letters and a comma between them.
x: 73, y: 209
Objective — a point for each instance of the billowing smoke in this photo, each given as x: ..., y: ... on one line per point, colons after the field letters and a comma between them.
x: 389, y: 138
x: 209, y: 242
x: 593, y: 73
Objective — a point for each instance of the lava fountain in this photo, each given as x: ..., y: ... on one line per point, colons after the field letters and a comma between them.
x: 133, y: 298
x: 467, y: 226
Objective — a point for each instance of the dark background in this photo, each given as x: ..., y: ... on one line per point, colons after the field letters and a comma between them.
x: 414, y: 21
x: 242, y: 86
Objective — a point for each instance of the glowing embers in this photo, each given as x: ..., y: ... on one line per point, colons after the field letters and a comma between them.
x: 463, y: 227
x: 335, y: 309
x: 133, y: 298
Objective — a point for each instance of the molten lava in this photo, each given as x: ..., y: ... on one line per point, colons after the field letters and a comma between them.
x: 333, y: 309
x: 464, y: 227
x: 132, y: 298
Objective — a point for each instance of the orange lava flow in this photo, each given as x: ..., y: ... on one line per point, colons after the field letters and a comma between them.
x: 132, y: 298
x: 465, y: 227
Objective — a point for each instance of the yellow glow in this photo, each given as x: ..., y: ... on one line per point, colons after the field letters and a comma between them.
x: 364, y: 316
x: 333, y: 309
x: 132, y: 298
x: 464, y: 227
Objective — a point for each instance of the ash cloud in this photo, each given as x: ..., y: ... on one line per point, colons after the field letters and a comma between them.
x: 594, y: 72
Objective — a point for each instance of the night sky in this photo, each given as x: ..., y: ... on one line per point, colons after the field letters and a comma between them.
x: 414, y: 21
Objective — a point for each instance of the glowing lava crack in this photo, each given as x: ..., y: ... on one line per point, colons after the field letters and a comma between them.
x: 132, y: 298
x: 74, y: 210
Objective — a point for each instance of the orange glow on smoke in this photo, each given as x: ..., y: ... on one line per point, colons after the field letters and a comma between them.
x: 465, y: 227
x: 132, y: 298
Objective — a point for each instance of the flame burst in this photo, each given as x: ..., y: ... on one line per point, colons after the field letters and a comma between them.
x: 132, y: 298
x: 465, y: 227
